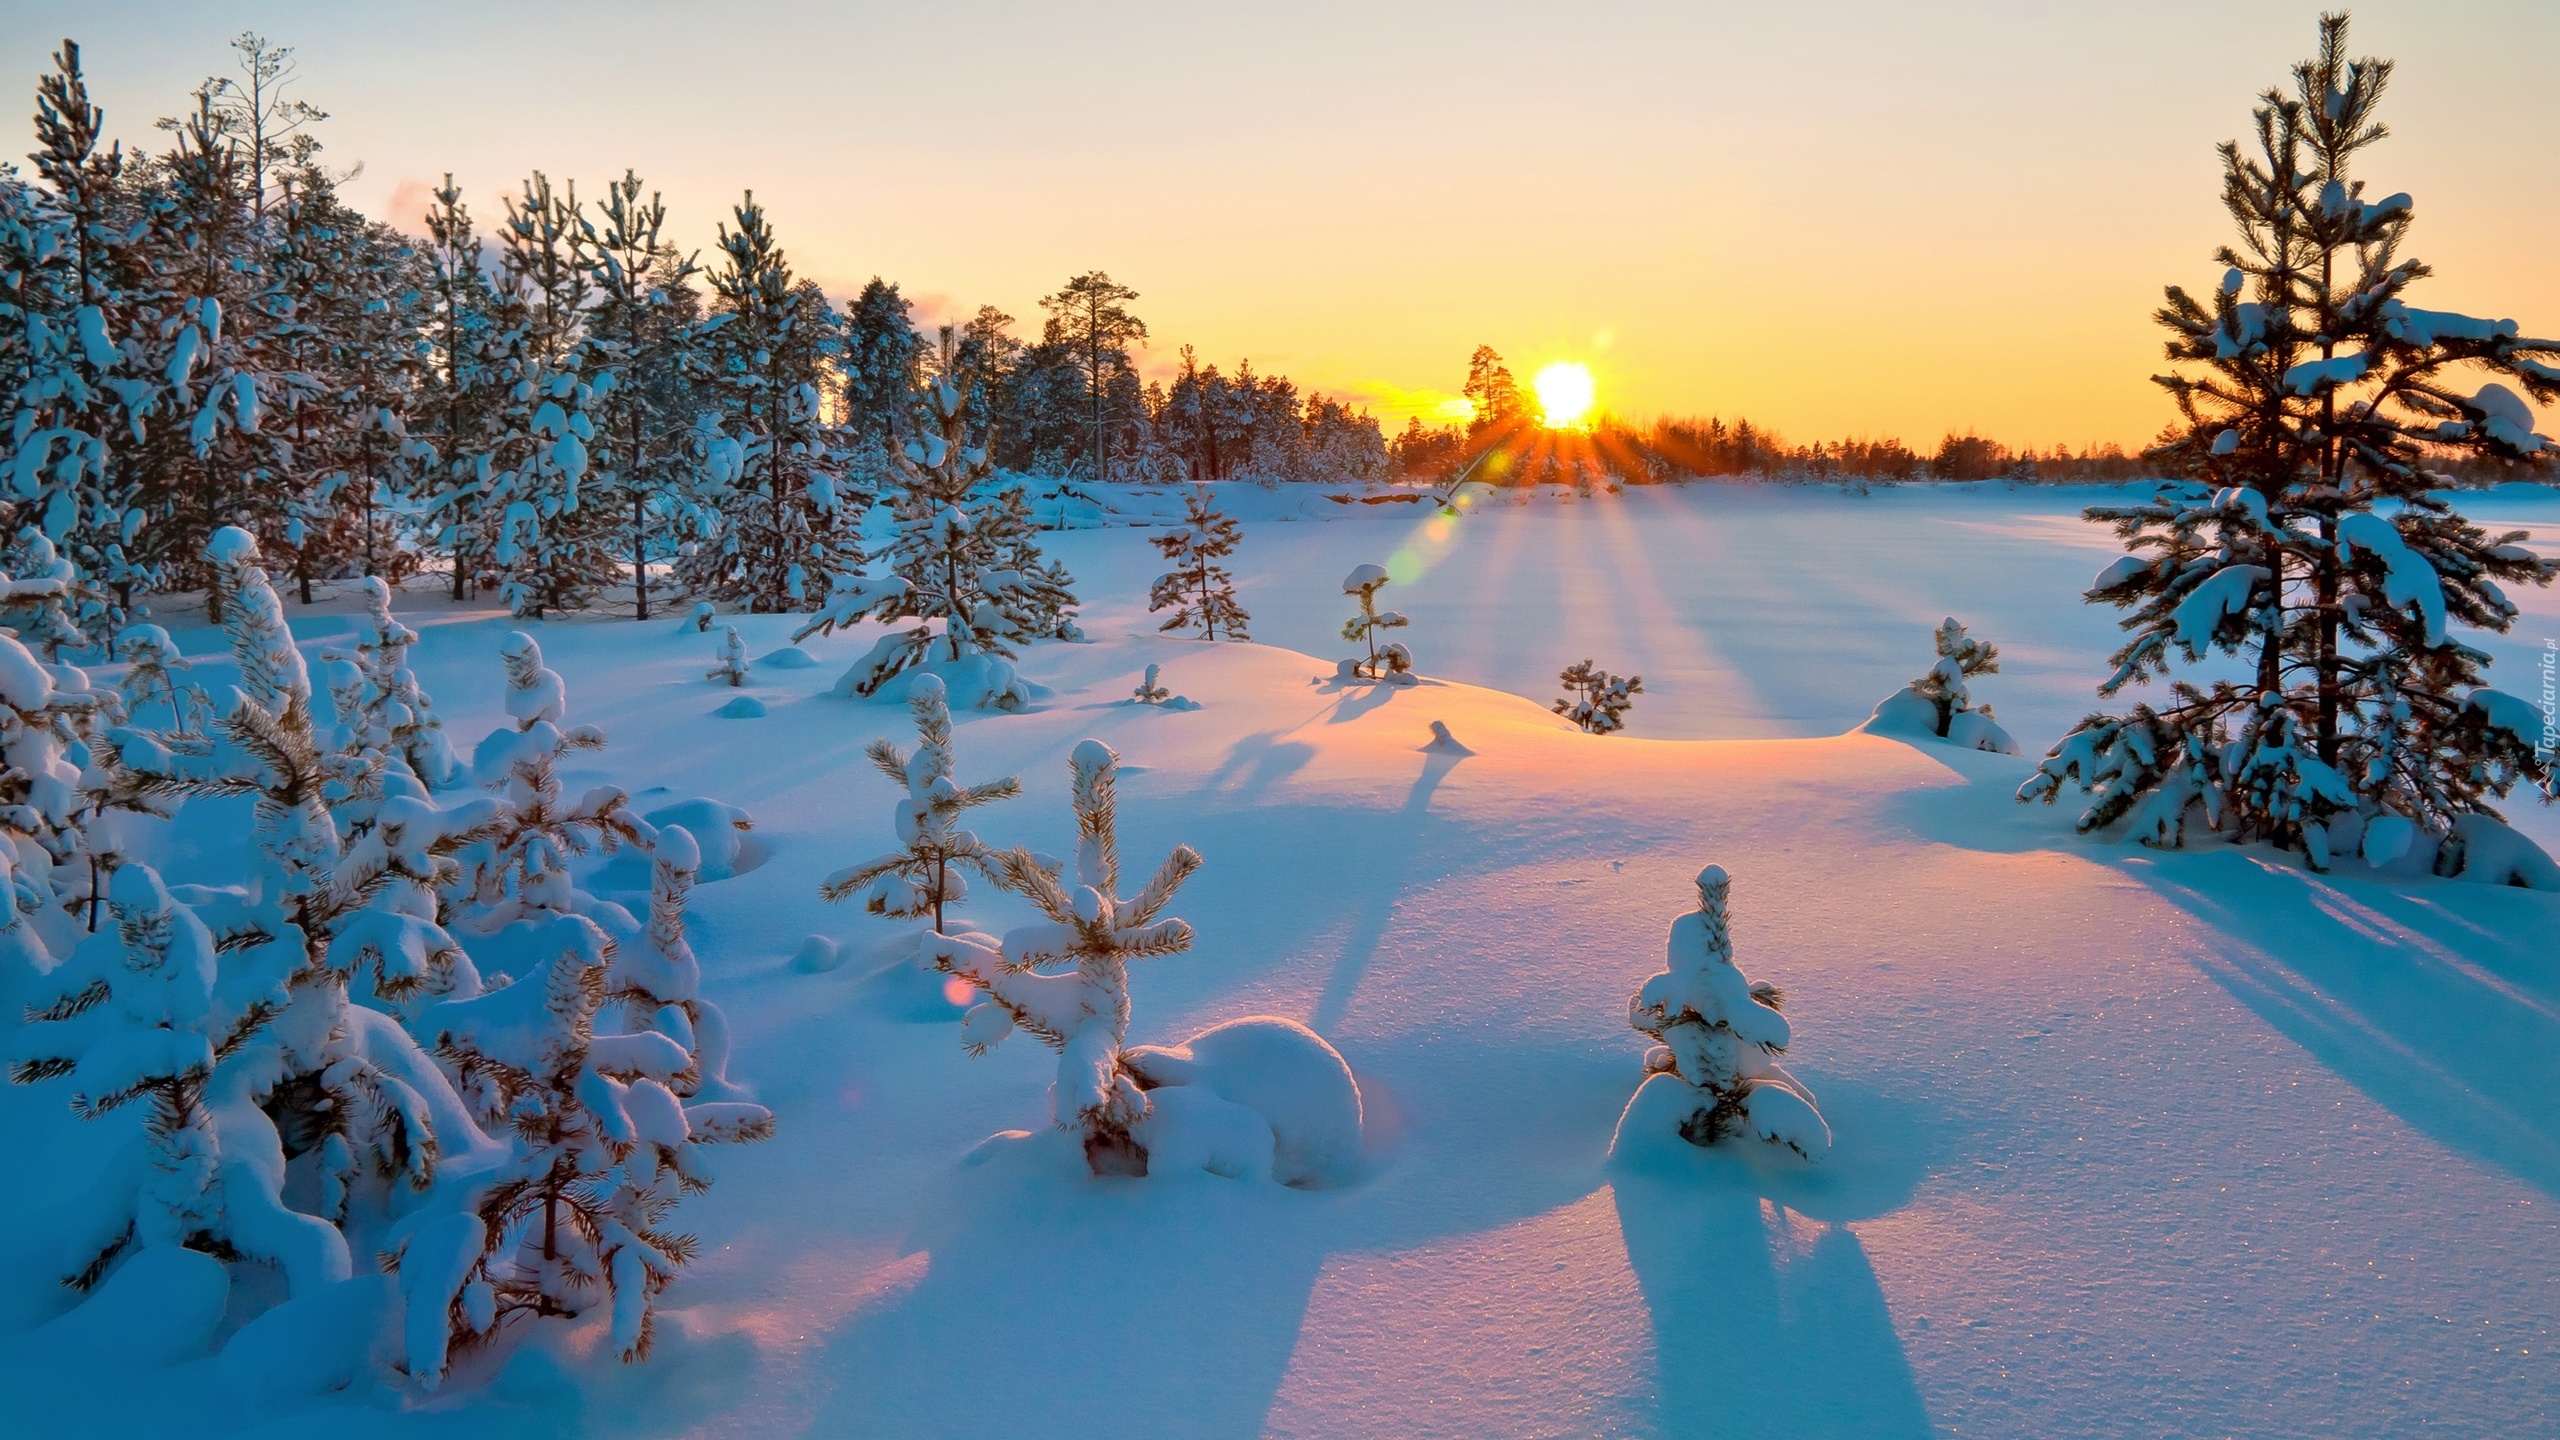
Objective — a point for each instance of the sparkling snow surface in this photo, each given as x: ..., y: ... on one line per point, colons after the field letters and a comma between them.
x: 2125, y: 1143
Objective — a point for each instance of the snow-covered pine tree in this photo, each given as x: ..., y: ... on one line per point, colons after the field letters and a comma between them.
x: 336, y: 1075
x: 521, y: 867
x: 463, y: 392
x: 772, y: 510
x: 148, y: 1009
x: 1198, y: 590
x: 927, y: 875
x: 552, y: 550
x: 1148, y: 691
x: 881, y: 351
x: 1392, y: 662
x: 659, y: 982
x: 2314, y: 544
x: 76, y: 395
x: 1036, y: 594
x: 644, y: 325
x: 149, y: 655
x: 1597, y: 700
x: 393, y: 698
x: 944, y: 565
x: 731, y: 668
x: 1713, y: 1071
x: 47, y: 600
x: 1067, y: 981
x: 602, y: 1150
x: 1940, y: 703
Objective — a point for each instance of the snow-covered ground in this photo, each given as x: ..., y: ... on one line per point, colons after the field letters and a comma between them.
x: 2125, y: 1143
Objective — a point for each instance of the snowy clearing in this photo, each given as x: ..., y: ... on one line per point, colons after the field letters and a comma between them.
x: 2123, y: 1142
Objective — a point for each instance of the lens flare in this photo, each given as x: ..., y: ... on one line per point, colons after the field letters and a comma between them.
x: 1565, y: 393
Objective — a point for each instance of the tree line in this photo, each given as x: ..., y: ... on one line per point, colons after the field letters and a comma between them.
x: 206, y: 334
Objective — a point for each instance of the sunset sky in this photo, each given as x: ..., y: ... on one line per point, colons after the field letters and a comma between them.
x: 1871, y: 218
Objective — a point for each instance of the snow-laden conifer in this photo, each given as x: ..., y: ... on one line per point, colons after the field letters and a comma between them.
x: 338, y: 1075
x: 1391, y: 662
x: 1066, y: 981
x: 2313, y: 543
x: 928, y: 874
x: 1713, y: 1072
x: 149, y: 657
x: 1198, y: 589
x: 1597, y: 700
x: 658, y: 981
x: 942, y: 565
x: 522, y: 866
x: 392, y: 697
x: 601, y: 1149
x: 1940, y: 703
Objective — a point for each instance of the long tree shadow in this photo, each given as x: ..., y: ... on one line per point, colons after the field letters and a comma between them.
x: 2438, y: 999
x: 1401, y: 837
x: 2440, y: 1002
x: 1765, y: 1320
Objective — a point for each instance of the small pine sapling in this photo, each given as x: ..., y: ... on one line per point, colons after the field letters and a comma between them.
x: 1597, y: 700
x: 602, y: 1149
x: 732, y: 666
x: 1713, y: 1071
x: 1149, y: 692
x: 1940, y: 703
x: 925, y: 877
x: 1198, y: 589
x: 149, y: 655
x: 1067, y: 981
x: 702, y: 616
x: 1392, y: 662
x: 393, y: 698
x: 523, y: 864
x: 148, y: 1009
x: 659, y: 982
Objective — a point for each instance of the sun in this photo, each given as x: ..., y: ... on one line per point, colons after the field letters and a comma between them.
x: 1565, y: 394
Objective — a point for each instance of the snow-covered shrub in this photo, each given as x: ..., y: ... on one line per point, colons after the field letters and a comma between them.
x: 1713, y: 1071
x: 1149, y: 692
x: 1291, y: 1085
x: 1198, y: 589
x: 393, y: 699
x: 1597, y: 700
x: 149, y: 655
x: 926, y: 876
x: 147, y: 1009
x: 658, y: 981
x: 731, y: 668
x: 522, y: 865
x: 1940, y: 703
x: 702, y: 616
x: 1392, y: 662
x: 602, y: 1150
x: 1066, y: 981
x: 338, y: 1076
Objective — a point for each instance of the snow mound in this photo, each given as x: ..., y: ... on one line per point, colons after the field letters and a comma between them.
x: 316, y: 1344
x: 817, y: 955
x: 1277, y: 1070
x: 720, y: 830
x: 789, y: 657
x: 159, y: 1306
x: 741, y: 707
x: 2482, y: 848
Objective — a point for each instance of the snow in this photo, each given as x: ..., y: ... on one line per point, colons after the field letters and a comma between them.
x: 2124, y: 1142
